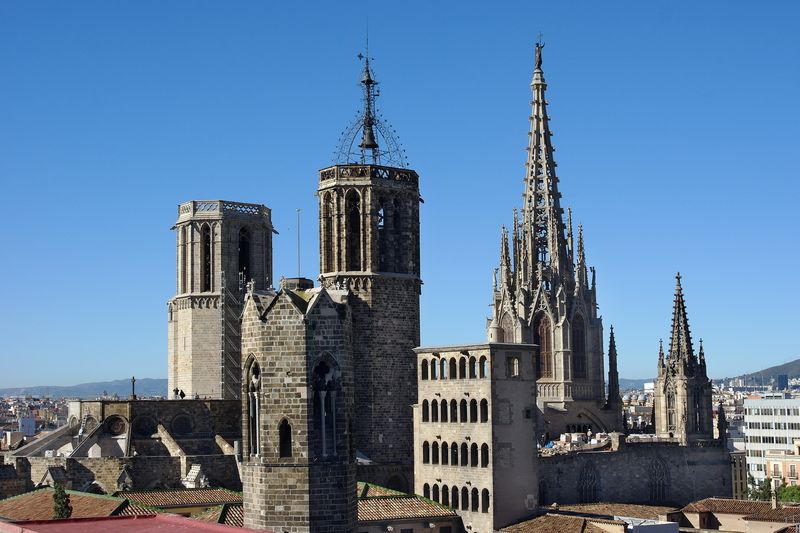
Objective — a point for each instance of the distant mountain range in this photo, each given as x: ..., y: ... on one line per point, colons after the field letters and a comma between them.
x: 87, y: 391
x: 158, y: 386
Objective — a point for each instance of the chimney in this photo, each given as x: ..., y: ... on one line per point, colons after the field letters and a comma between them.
x: 774, y: 494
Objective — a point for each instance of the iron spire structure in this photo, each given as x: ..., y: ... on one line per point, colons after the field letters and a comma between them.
x: 369, y: 139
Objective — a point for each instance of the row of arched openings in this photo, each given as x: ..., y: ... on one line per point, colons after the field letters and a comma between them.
x: 461, y: 368
x: 455, y: 455
x: 463, y: 499
x: 254, y: 417
x: 442, y: 411
x: 207, y: 258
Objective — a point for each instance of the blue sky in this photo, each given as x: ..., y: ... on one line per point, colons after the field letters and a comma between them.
x: 676, y: 128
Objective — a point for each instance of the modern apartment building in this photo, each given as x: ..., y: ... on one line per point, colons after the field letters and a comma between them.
x: 771, y: 424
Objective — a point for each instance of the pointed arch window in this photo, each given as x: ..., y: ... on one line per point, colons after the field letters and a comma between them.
x: 543, y: 337
x: 353, y: 235
x: 658, y: 481
x: 588, y: 483
x: 328, y: 221
x: 205, y: 258
x: 326, y: 383
x: 254, y: 408
x: 578, y: 348
x: 397, y: 232
x: 507, y: 329
x: 285, y: 438
x: 183, y: 246
x: 672, y: 422
x: 244, y: 255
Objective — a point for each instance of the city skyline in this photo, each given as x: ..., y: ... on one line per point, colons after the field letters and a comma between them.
x: 120, y: 115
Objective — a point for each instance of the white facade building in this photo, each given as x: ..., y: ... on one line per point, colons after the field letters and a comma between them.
x: 769, y: 424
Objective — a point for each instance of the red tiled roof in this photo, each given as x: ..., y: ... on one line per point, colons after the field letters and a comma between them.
x: 555, y: 523
x: 162, y: 523
x: 728, y: 506
x: 783, y: 515
x: 38, y: 505
x: 381, y: 508
x: 166, y: 499
x: 231, y: 514
x: 631, y: 510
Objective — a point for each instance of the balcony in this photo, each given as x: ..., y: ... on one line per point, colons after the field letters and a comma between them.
x: 215, y: 209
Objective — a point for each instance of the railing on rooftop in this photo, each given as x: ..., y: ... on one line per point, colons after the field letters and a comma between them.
x: 361, y: 172
x: 220, y: 208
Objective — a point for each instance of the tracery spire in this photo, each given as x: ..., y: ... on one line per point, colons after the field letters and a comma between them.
x: 542, y: 209
x: 680, y: 344
x: 613, y: 375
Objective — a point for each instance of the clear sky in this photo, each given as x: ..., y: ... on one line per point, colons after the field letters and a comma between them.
x: 676, y: 127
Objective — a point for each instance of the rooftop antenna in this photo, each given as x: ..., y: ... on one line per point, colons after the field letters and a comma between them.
x: 298, y: 242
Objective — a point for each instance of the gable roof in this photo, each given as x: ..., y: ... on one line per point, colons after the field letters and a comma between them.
x: 170, y: 498
x: 556, y: 523
x: 728, y: 506
x: 119, y: 524
x: 631, y: 510
x: 38, y: 505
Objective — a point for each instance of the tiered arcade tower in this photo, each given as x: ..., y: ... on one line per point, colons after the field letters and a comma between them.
x: 220, y: 246
x: 544, y: 295
x: 369, y: 244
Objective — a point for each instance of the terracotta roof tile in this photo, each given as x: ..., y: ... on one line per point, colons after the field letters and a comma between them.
x: 783, y: 514
x: 728, y: 506
x: 555, y: 523
x: 231, y: 514
x: 165, y: 499
x: 380, y: 508
x: 164, y: 523
x: 369, y: 490
x: 38, y: 505
x: 631, y: 510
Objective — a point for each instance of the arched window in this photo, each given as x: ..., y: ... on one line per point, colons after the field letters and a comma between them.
x: 254, y: 409
x: 543, y: 336
x: 446, y: 495
x: 397, y: 224
x: 507, y: 329
x: 483, y: 367
x: 353, y: 235
x: 484, y: 410
x: 463, y: 417
x: 383, y: 239
x: 473, y: 410
x: 473, y: 455
x: 426, y: 452
x: 425, y: 411
x: 205, y: 258
x: 444, y: 410
x: 453, y: 368
x: 444, y: 369
x: 445, y: 453
x: 183, y: 247
x: 328, y: 220
x: 484, y: 455
x: 473, y: 367
x: 464, y: 454
x: 285, y: 437
x: 244, y: 255
x: 588, y: 483
x: 578, y: 348
x: 435, y: 453
x: 434, y: 411
x: 464, y: 499
x: 454, y: 497
x: 671, y: 415
x: 424, y: 370
x: 434, y: 369
x: 513, y: 367
x: 462, y: 367
x: 426, y: 491
x: 454, y: 454
x: 475, y: 502
x: 436, y: 493
x: 326, y: 383
x: 453, y: 411
x: 485, y: 501
x: 658, y: 481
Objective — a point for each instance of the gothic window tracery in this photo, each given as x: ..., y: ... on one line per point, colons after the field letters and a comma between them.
x: 588, y: 483
x: 205, y: 258
x: 326, y: 383
x: 328, y: 221
x: 672, y: 422
x: 543, y: 336
x: 658, y: 481
x: 507, y: 328
x: 253, y: 408
x: 353, y: 235
x: 578, y: 348
x: 244, y: 255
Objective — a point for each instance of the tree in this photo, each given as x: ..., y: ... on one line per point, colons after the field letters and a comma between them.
x: 789, y: 493
x: 759, y: 491
x: 61, y: 506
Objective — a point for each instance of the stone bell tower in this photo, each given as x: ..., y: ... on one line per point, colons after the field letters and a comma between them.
x: 220, y: 247
x: 369, y: 244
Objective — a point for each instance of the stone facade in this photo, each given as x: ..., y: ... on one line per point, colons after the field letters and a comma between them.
x: 369, y: 243
x: 682, y: 396
x: 220, y: 246
x: 298, y: 382
x: 475, y: 432
x: 543, y: 294
x: 655, y: 473
x: 140, y: 444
